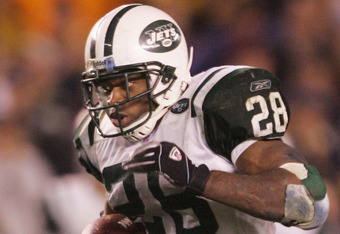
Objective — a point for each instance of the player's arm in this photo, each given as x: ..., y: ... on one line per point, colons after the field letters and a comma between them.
x: 259, y: 187
x: 274, y: 183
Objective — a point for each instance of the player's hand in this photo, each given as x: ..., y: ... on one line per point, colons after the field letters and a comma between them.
x: 169, y: 159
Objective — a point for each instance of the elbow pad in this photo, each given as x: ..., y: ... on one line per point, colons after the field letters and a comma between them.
x: 306, y: 205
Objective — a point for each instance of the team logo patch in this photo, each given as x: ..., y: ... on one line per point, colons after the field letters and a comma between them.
x: 160, y: 36
x: 260, y: 84
x: 175, y: 154
x: 181, y: 106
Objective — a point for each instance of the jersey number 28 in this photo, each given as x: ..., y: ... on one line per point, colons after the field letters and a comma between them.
x: 280, y: 120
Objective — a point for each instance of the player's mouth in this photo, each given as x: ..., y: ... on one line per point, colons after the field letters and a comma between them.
x: 124, y: 119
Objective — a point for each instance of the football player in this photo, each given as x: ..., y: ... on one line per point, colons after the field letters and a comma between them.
x: 186, y: 154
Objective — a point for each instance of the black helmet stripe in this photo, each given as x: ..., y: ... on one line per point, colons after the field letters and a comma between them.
x: 111, y: 29
x: 93, y: 48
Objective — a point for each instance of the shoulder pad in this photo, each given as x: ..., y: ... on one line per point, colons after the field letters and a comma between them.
x: 238, y: 104
x: 211, y: 77
x: 83, y: 140
x: 85, y: 130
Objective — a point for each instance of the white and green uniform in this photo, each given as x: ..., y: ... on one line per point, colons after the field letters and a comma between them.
x: 224, y: 111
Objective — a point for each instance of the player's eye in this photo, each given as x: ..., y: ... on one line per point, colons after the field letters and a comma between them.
x: 104, y: 89
x: 131, y: 83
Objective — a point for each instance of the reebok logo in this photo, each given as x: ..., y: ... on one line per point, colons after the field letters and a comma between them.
x: 260, y: 84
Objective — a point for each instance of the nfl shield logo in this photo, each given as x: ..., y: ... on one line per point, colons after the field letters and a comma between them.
x: 175, y: 154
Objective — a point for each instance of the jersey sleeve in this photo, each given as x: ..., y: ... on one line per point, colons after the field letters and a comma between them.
x: 83, y: 140
x: 245, y: 104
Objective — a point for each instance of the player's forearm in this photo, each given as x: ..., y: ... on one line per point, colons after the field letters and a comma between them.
x: 260, y: 195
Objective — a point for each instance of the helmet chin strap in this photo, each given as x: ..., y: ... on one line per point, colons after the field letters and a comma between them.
x: 146, y: 129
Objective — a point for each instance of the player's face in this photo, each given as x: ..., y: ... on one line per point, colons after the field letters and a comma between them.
x: 115, y: 91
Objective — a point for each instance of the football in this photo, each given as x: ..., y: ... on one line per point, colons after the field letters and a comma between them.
x: 114, y: 224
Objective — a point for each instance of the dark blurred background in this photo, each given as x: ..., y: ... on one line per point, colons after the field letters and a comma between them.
x: 42, y: 187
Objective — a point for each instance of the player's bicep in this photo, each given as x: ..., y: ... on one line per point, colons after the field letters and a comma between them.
x: 266, y: 155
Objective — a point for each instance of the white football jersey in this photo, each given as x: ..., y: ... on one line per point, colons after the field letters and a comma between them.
x: 223, y: 111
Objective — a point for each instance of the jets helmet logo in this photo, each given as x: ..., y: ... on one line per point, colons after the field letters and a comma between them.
x: 160, y: 36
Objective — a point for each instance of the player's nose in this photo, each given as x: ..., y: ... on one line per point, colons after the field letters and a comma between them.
x: 118, y: 94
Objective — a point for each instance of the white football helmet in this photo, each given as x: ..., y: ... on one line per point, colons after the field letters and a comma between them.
x: 134, y: 39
